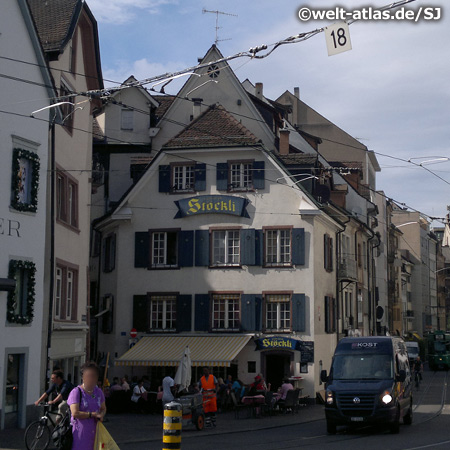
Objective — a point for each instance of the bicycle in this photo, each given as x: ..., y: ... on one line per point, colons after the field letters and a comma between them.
x: 417, y: 378
x: 38, y: 433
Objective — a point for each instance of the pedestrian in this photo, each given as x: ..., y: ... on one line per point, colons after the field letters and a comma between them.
x: 208, y: 384
x: 168, y: 386
x: 62, y: 388
x: 87, y: 405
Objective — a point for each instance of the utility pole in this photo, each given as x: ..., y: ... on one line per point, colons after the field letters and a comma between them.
x: 205, y: 11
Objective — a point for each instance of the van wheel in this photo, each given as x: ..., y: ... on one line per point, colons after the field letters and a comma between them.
x: 408, y: 418
x: 331, y: 427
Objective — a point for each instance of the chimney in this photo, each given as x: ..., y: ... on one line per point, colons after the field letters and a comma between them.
x: 284, y: 142
x: 259, y: 90
x: 196, y: 107
x: 297, y: 92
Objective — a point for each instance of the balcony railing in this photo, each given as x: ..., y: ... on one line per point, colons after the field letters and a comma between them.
x: 347, y: 270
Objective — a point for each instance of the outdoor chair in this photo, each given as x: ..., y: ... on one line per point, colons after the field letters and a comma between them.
x: 291, y: 402
x: 268, y: 405
x: 238, y: 407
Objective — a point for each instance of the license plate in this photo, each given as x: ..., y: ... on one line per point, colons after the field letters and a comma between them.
x: 357, y: 419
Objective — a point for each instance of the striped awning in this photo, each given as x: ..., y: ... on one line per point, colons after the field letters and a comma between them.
x: 216, y: 351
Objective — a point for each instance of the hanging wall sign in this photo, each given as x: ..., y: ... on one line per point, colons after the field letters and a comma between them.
x: 212, y: 204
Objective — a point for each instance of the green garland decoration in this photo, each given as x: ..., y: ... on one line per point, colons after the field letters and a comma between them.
x: 18, y: 154
x: 11, y: 315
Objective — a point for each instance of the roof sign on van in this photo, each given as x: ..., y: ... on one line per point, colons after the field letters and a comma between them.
x: 360, y: 345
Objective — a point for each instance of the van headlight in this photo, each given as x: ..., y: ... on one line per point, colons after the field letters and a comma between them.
x: 329, y: 398
x: 386, y: 397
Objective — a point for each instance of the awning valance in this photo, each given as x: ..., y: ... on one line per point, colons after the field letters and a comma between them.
x: 217, y: 351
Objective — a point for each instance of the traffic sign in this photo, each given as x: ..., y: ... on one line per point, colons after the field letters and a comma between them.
x: 133, y: 333
x: 337, y: 37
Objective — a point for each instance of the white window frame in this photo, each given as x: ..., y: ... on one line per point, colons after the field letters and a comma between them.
x: 228, y: 244
x: 58, y: 292
x: 169, y: 312
x: 280, y: 252
x: 229, y: 300
x: 69, y: 292
x: 127, y: 119
x: 183, y: 177
x: 241, y: 175
x: 162, y: 251
x: 283, y: 315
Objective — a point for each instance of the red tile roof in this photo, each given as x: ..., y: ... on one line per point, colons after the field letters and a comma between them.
x: 216, y: 127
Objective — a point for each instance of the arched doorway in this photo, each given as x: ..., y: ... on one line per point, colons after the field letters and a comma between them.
x: 276, y: 365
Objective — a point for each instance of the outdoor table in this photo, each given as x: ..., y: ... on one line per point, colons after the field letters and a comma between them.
x: 254, y: 402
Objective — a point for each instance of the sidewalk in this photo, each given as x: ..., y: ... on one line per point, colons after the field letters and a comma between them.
x: 134, y: 428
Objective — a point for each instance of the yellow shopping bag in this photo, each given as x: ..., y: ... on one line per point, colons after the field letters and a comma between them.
x: 103, y: 440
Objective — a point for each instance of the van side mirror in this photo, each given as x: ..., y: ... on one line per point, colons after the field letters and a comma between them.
x: 401, y: 377
x: 323, y: 376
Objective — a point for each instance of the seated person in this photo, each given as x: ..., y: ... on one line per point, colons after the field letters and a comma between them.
x: 140, y: 396
x: 257, y: 386
x: 285, y: 388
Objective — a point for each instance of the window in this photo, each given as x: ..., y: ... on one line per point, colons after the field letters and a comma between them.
x: 364, y: 255
x: 58, y: 293
x: 330, y: 315
x: 226, y: 245
x: 328, y: 253
x: 163, y: 313
x: 67, y: 109
x: 66, y: 283
x: 126, y: 119
x: 25, y: 180
x: 241, y: 176
x: 278, y: 247
x: 164, y: 249
x: 278, y: 312
x: 109, y: 253
x: 183, y: 177
x: 359, y: 256
x: 73, y: 53
x: 66, y: 199
x: 225, y: 312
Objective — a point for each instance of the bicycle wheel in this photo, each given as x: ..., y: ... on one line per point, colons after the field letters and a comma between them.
x: 37, y: 436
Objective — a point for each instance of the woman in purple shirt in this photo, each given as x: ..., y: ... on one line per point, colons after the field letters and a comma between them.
x: 87, y: 405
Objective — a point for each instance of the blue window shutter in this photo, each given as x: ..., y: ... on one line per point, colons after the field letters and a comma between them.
x: 259, y: 247
x: 298, y: 312
x: 186, y: 248
x: 200, y: 177
x: 298, y: 246
x: 202, y: 247
x: 222, y: 176
x: 258, y: 175
x: 202, y: 312
x: 184, y: 313
x: 248, y: 246
x: 258, y: 313
x: 248, y: 312
x: 164, y: 178
x: 141, y: 313
x: 141, y: 249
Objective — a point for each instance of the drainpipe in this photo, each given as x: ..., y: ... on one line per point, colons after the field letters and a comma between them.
x: 52, y: 243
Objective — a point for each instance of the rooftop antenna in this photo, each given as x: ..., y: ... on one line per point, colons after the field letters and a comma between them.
x: 204, y: 11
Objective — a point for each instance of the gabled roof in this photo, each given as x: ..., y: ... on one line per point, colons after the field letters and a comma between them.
x: 164, y: 102
x: 216, y: 127
x: 55, y: 21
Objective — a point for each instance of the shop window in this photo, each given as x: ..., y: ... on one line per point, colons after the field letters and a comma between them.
x: 278, y: 313
x: 164, y: 249
x: 25, y: 180
x: 278, y: 247
x: 225, y: 248
x: 163, y: 312
x: 226, y: 312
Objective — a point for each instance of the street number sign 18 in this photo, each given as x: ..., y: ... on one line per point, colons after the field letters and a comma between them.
x: 337, y: 38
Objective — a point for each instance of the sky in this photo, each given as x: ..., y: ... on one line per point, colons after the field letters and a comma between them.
x: 391, y: 91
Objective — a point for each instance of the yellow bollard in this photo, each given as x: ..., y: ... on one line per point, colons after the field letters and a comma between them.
x: 172, y: 426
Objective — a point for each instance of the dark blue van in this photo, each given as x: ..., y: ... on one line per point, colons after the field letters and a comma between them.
x: 369, y: 383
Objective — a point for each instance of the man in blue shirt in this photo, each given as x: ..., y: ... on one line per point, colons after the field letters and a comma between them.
x: 62, y: 388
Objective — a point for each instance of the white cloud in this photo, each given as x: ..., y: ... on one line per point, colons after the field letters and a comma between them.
x: 123, y: 11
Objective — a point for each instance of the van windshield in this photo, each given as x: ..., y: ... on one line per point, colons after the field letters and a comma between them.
x: 362, y: 366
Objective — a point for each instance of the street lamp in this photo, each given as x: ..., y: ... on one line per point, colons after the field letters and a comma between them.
x: 404, y: 224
